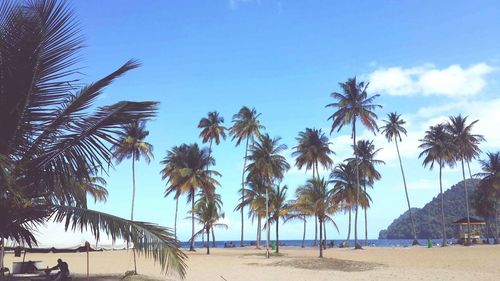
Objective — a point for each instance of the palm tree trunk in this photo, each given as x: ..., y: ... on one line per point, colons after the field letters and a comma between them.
x: 315, y: 243
x: 208, y: 240
x: 356, y: 244
x: 259, y: 233
x: 349, y: 229
x: 267, y: 220
x: 213, y: 238
x: 324, y: 235
x: 203, y: 239
x: 277, y: 235
x: 442, y: 204
x: 175, y: 221
x: 320, y: 239
x: 304, y: 233
x: 191, y: 247
x: 133, y: 204
x: 466, y: 205
x: 243, y: 190
x: 366, y: 218
x: 2, y: 253
x: 415, y: 241
x: 497, y: 240
x: 315, y: 218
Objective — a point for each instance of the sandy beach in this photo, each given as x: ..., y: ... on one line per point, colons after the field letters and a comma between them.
x: 240, y: 264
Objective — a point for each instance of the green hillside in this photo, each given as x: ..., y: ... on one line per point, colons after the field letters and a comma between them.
x: 428, y: 218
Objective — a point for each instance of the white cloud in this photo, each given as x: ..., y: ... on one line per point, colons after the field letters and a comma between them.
x: 453, y: 81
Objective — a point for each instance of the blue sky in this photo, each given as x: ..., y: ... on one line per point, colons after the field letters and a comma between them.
x: 427, y: 60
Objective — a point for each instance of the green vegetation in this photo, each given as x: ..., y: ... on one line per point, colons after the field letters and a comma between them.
x: 428, y: 219
x: 55, y: 141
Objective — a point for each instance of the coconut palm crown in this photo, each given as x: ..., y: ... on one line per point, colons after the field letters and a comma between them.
x: 53, y: 134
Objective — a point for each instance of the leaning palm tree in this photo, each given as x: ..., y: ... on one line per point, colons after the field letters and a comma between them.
x: 313, y: 149
x: 187, y: 172
x: 489, y: 189
x: 438, y: 149
x: 353, y: 104
x: 53, y: 134
x: 208, y: 213
x: 131, y: 144
x: 366, y: 162
x: 392, y: 130
x: 316, y: 192
x: 268, y: 163
x: 467, y: 148
x: 246, y: 126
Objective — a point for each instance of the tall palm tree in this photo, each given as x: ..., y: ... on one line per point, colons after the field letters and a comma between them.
x: 313, y: 149
x: 366, y: 156
x: 185, y: 168
x: 489, y: 188
x: 268, y: 163
x: 353, y: 104
x: 438, y: 149
x: 316, y: 192
x: 392, y: 130
x: 467, y: 148
x: 208, y: 213
x: 131, y: 144
x: 212, y: 129
x: 246, y: 126
x: 53, y: 134
x: 343, y: 178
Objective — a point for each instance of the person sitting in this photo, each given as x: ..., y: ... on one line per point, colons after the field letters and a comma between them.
x: 63, y: 274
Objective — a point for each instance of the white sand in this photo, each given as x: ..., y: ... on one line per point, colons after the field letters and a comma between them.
x: 238, y: 264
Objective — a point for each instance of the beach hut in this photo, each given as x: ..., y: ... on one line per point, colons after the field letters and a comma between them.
x: 475, y: 225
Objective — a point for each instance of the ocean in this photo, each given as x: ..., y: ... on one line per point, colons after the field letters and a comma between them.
x: 308, y: 243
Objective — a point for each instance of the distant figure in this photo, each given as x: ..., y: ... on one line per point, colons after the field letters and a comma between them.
x: 63, y: 273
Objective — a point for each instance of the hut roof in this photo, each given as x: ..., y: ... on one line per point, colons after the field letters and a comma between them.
x: 472, y: 221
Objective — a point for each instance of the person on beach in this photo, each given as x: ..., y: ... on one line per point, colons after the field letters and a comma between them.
x: 63, y: 273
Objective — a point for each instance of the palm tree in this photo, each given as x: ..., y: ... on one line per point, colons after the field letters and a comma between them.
x: 438, y: 149
x: 489, y: 189
x: 268, y: 163
x: 131, y: 144
x: 256, y: 202
x: 208, y: 212
x: 467, y: 148
x: 322, y: 204
x: 279, y: 209
x: 212, y: 129
x: 246, y: 126
x: 313, y: 149
x: 392, y: 130
x: 366, y: 153
x: 343, y: 178
x: 351, y: 105
x: 185, y: 168
x: 53, y: 134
